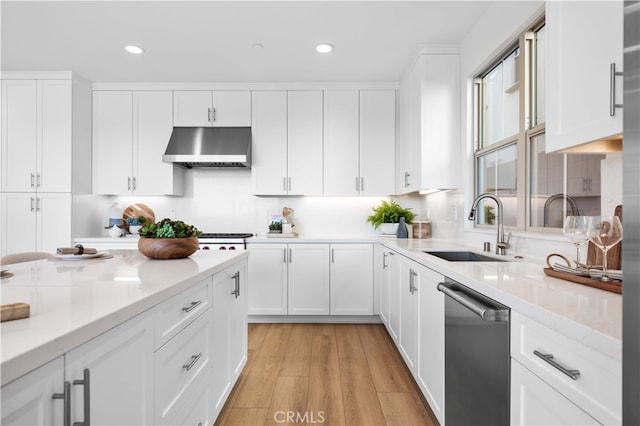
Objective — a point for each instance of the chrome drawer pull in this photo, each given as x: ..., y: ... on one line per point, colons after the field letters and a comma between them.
x: 86, y: 398
x: 548, y: 358
x: 194, y: 359
x: 66, y: 398
x: 192, y: 306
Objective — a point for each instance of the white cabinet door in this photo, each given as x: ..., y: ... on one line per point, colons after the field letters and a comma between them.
x: 394, y: 266
x: 341, y: 139
x: 54, y: 216
x: 308, y: 279
x: 409, y: 295
x: 430, y: 372
x: 29, y: 401
x: 19, y: 135
x: 231, y: 108
x: 192, y: 108
x: 223, y: 285
x: 269, y: 148
x: 54, y: 137
x: 267, y: 279
x: 377, y: 142
x: 19, y: 232
x: 533, y: 402
x: 351, y: 279
x: 384, y: 272
x: 152, y: 127
x: 239, y: 325
x: 112, y: 142
x: 304, y: 147
x: 583, y: 40
x: 117, y: 370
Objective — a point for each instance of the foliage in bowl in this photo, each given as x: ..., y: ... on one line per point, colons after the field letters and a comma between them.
x: 389, y: 212
x: 168, y: 228
x: 168, y: 239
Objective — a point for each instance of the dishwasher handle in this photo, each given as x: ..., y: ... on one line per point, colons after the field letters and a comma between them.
x: 486, y: 312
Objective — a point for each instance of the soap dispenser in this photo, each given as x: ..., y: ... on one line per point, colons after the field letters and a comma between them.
x: 403, y: 232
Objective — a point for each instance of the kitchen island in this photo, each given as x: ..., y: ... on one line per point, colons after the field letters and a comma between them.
x: 142, y: 311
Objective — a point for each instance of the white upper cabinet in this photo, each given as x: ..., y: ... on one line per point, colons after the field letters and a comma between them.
x: 36, y: 135
x: 269, y: 145
x: 430, y: 123
x: 131, y: 131
x: 377, y: 142
x: 205, y: 108
x: 584, y: 46
x: 341, y: 142
x: 359, y: 142
x: 304, y: 146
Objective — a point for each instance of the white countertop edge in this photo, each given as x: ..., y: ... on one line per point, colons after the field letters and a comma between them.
x: 21, y: 364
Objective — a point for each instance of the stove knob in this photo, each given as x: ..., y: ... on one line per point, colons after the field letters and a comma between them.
x: 205, y: 248
x: 222, y: 248
x: 232, y: 248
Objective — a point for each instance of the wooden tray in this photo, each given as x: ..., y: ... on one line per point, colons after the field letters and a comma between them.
x: 614, y: 287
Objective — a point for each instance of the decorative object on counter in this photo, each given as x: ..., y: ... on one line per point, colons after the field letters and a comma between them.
x: 386, y: 216
x: 135, y: 224
x: 402, y: 228
x: 275, y: 228
x: 137, y: 211
x: 421, y: 229
x: 115, y: 215
x: 575, y: 228
x: 605, y: 232
x: 168, y: 239
x: 115, y: 231
x: 77, y: 249
x: 613, y: 286
x: 14, y: 311
x: 614, y: 255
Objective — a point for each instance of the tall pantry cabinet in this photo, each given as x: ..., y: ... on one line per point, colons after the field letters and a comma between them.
x: 45, y: 157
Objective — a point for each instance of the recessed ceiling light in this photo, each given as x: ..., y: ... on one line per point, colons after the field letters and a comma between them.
x: 324, y: 48
x: 258, y: 46
x: 136, y: 50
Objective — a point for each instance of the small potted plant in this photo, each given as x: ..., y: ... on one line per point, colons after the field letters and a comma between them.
x: 386, y: 216
x: 275, y: 228
x: 168, y: 239
x: 135, y: 224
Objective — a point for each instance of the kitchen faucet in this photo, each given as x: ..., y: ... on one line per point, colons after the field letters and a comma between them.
x: 570, y: 200
x: 501, y: 244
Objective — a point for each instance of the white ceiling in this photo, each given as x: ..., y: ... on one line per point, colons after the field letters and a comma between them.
x: 211, y: 41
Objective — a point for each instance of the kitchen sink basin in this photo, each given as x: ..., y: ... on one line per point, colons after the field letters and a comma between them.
x: 462, y: 256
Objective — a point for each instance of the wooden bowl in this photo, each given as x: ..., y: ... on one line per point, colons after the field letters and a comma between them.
x: 168, y: 248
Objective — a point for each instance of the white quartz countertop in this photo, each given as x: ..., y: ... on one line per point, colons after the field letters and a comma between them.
x: 586, y: 314
x: 73, y: 301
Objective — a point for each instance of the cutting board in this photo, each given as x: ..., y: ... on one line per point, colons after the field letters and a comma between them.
x: 614, y: 256
x: 14, y: 311
x: 136, y: 210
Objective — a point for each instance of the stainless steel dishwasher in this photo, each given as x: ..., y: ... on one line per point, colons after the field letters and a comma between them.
x: 476, y: 358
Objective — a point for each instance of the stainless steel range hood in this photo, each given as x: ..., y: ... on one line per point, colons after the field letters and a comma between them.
x: 212, y: 147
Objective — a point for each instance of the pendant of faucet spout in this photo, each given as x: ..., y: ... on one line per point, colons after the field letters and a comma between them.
x: 501, y: 244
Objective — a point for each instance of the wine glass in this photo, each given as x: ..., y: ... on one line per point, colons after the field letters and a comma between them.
x: 576, y: 229
x: 605, y: 232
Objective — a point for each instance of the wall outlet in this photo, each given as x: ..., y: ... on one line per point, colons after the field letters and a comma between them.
x: 454, y: 214
x: 172, y: 214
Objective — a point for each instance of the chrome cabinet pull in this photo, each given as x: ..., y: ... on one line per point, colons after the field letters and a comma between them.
x: 66, y: 400
x: 332, y: 255
x: 33, y: 176
x: 32, y: 204
x: 284, y: 255
x: 37, y: 180
x: 194, y: 359
x: 407, y: 179
x: 357, y: 184
x: 361, y: 184
x: 290, y: 256
x: 192, y: 306
x: 414, y: 274
x: 208, y: 115
x: 37, y: 204
x: 548, y: 358
x: 384, y: 260
x: 135, y: 183
x: 86, y: 398
x: 129, y: 183
x: 612, y: 89
x: 284, y: 183
x: 236, y: 278
x: 289, y: 184
x: 214, y: 114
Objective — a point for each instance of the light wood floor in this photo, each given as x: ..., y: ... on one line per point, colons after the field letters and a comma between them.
x: 328, y: 374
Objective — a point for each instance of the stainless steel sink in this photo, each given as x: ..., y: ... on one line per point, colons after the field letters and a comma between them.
x: 463, y: 256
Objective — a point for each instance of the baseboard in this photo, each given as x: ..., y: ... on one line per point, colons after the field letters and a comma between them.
x: 335, y: 319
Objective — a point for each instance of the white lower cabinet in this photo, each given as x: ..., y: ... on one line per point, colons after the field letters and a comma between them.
x: 533, y: 402
x: 229, y: 332
x: 308, y: 279
x: 30, y: 400
x: 268, y: 279
x: 589, y: 381
x: 111, y: 376
x: 351, y: 279
x: 408, y: 341
x: 394, y: 296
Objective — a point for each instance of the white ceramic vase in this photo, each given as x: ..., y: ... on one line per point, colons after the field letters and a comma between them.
x: 388, y: 228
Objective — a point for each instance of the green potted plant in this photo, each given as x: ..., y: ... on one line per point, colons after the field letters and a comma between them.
x: 135, y: 224
x: 386, y: 216
x: 168, y: 239
x: 275, y: 228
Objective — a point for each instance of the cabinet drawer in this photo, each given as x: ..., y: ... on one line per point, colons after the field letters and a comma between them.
x: 598, y: 387
x: 197, y: 407
x: 179, y: 365
x: 176, y: 313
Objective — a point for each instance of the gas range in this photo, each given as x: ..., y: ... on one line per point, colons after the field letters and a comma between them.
x: 223, y: 241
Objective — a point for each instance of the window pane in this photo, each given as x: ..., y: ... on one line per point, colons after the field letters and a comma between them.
x: 500, y: 101
x: 539, y: 100
x: 497, y: 175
